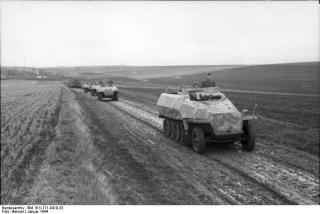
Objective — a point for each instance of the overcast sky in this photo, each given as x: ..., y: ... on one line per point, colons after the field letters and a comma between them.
x: 158, y: 33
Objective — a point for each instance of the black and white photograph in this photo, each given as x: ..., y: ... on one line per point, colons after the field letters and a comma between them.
x: 159, y: 103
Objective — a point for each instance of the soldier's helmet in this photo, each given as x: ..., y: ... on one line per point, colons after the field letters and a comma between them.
x: 110, y: 82
x: 196, y: 85
x: 101, y: 82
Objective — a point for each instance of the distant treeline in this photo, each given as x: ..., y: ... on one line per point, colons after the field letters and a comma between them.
x: 27, y: 73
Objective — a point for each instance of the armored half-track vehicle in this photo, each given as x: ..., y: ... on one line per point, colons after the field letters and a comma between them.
x: 107, y: 91
x: 197, y: 116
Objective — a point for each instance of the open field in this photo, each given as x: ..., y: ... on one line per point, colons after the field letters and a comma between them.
x: 70, y: 148
x: 296, y: 78
x: 29, y: 113
x: 302, y: 78
x: 133, y: 72
x: 290, y: 78
x: 139, y: 72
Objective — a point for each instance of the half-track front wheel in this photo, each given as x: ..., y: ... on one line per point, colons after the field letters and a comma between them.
x: 115, y: 96
x: 100, y: 96
x: 198, y: 140
x: 248, y: 137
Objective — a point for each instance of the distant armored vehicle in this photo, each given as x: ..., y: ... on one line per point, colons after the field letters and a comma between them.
x: 107, y: 91
x: 73, y: 83
x: 86, y: 87
x: 200, y: 115
x: 93, y: 89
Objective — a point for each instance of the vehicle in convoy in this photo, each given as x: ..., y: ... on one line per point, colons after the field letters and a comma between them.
x: 197, y: 116
x: 73, y: 83
x: 93, y: 89
x: 86, y: 87
x: 107, y: 91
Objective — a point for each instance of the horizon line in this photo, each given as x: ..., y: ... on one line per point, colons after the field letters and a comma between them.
x: 124, y: 65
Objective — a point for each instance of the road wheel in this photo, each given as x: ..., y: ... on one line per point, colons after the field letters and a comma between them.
x: 115, y: 96
x: 248, y: 137
x: 177, y: 133
x: 171, y: 129
x: 183, y: 137
x: 100, y: 96
x: 198, y: 140
x: 166, y: 126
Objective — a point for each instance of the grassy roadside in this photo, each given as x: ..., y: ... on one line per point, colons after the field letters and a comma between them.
x: 67, y: 175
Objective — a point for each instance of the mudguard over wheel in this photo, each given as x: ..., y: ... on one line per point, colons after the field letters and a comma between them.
x: 198, y: 140
x: 248, y: 137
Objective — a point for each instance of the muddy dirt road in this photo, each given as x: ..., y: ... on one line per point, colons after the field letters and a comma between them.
x: 140, y: 165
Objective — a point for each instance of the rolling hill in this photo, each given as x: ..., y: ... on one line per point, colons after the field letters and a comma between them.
x: 289, y: 77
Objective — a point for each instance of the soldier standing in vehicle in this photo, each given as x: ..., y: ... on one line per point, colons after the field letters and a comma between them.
x: 208, y: 81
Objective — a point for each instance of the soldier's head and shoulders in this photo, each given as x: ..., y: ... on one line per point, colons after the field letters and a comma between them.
x: 208, y: 81
x: 110, y: 83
